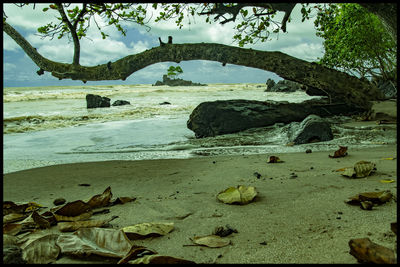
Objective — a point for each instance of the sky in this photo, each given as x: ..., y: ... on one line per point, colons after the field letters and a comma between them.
x: 19, y: 70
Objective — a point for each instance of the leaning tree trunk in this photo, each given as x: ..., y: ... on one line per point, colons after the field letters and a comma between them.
x: 346, y: 88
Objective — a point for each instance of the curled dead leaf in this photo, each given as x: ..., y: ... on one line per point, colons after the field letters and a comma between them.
x: 73, y: 226
x: 99, y: 241
x: 42, y: 250
x: 360, y: 170
x: 341, y: 152
x: 72, y: 209
x: 274, y: 159
x: 40, y: 221
x: 212, y: 241
x: 80, y: 217
x: 160, y: 259
x: 237, y: 195
x: 100, y: 200
x: 142, y: 230
x: 366, y: 251
x: 380, y: 197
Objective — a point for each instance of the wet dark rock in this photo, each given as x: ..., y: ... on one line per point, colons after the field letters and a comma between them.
x: 165, y: 103
x: 311, y: 129
x: 231, y: 116
x: 176, y: 82
x: 96, y: 101
x: 120, y: 103
x: 285, y: 86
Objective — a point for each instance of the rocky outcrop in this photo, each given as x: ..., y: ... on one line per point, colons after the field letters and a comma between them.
x: 285, y: 86
x: 270, y: 83
x: 176, y: 82
x: 230, y: 116
x: 311, y: 129
x: 121, y: 103
x: 96, y: 101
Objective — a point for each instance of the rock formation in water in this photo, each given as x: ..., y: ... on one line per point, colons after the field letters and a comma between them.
x: 230, y: 116
x: 120, y: 103
x: 176, y: 82
x: 96, y: 101
x: 312, y: 129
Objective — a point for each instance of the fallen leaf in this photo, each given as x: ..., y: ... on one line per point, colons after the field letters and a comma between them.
x: 11, y: 207
x: 99, y: 241
x: 42, y: 250
x: 160, y: 259
x: 212, y: 241
x: 136, y: 252
x: 341, y: 152
x: 360, y: 170
x: 40, y: 220
x: 73, y: 226
x: 9, y: 240
x: 73, y: 209
x: 375, y: 197
x: 385, y: 181
x: 274, y: 159
x: 122, y: 200
x: 388, y: 158
x: 146, y: 229
x: 12, y: 228
x: 366, y: 251
x: 14, y: 217
x: 237, y: 195
x: 100, y: 200
x: 80, y: 217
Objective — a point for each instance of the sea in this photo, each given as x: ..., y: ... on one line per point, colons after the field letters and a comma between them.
x: 51, y: 125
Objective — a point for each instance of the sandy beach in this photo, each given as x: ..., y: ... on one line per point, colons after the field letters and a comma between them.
x: 298, y: 216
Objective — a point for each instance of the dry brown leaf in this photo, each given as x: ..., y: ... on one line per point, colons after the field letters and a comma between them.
x: 142, y: 230
x: 40, y: 221
x: 42, y: 250
x: 160, y: 259
x: 9, y: 240
x: 14, y: 217
x: 366, y: 251
x: 237, y: 195
x: 274, y: 159
x: 100, y: 241
x: 101, y: 200
x: 136, y: 252
x: 11, y: 207
x: 80, y: 217
x: 212, y: 241
x: 375, y: 197
x: 341, y: 152
x: 12, y: 228
x: 73, y: 209
x: 73, y: 226
x: 122, y: 200
x: 360, y: 170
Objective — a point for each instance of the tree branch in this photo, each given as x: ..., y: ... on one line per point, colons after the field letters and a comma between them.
x: 72, y: 29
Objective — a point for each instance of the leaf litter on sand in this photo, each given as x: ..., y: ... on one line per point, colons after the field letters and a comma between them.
x: 240, y: 194
x: 212, y: 241
x: 143, y: 230
x: 360, y: 170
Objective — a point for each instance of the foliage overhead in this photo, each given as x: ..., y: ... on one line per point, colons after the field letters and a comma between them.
x: 174, y: 71
x: 355, y: 41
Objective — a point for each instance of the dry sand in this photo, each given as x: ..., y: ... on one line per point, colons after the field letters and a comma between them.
x: 296, y: 220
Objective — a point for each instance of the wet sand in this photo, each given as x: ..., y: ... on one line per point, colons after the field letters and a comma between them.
x: 298, y: 216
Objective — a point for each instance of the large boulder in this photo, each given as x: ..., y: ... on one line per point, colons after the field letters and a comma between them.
x: 230, y: 116
x: 311, y: 129
x: 96, y: 101
x: 270, y: 83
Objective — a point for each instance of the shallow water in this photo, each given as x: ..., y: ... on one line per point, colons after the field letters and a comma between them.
x: 51, y: 125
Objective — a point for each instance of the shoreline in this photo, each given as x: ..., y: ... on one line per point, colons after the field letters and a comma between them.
x: 301, y: 220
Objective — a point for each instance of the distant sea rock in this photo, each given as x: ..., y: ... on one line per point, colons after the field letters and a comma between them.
x: 120, y: 103
x: 97, y: 101
x: 231, y: 116
x: 176, y: 82
x: 285, y: 86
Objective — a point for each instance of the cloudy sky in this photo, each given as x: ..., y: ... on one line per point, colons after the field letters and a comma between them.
x: 19, y: 70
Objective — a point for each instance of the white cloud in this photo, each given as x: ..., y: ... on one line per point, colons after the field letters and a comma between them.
x: 9, y: 44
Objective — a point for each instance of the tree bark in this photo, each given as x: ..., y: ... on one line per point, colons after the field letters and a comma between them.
x: 349, y: 89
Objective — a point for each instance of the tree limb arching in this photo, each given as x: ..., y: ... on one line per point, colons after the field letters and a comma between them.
x: 351, y: 89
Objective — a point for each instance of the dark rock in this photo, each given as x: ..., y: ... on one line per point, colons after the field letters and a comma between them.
x: 165, y: 103
x: 96, y: 101
x: 12, y: 254
x: 59, y: 201
x: 285, y: 86
x: 270, y: 83
x: 230, y: 116
x: 311, y: 129
x: 120, y: 103
x: 176, y: 82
